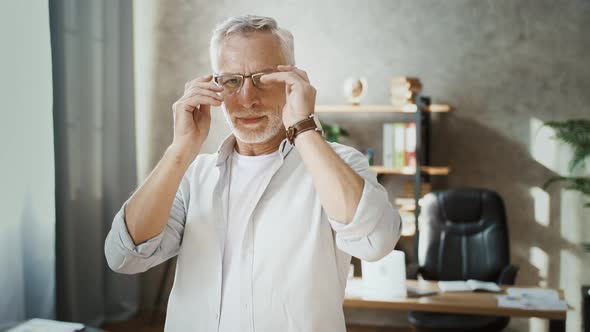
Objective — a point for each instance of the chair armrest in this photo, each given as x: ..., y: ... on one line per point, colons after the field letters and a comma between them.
x: 508, y: 275
x: 412, y: 271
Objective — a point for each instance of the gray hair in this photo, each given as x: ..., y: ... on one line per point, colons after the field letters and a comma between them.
x: 240, y: 25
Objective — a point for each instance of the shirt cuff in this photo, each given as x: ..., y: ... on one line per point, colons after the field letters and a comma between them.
x: 367, y: 215
x: 145, y: 249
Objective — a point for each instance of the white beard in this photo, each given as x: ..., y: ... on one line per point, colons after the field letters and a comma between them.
x: 259, y: 135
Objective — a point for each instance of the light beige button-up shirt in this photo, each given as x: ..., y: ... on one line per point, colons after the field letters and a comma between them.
x: 294, y: 261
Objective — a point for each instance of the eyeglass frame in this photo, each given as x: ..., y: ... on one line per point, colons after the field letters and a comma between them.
x: 243, y: 77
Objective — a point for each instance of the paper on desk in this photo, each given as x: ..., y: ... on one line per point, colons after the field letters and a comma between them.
x: 532, y: 298
x: 470, y: 285
x: 45, y: 325
x: 453, y: 286
x: 511, y: 302
x: 548, y: 294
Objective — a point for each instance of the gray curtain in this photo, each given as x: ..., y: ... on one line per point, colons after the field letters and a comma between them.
x: 92, y: 48
x: 27, y: 221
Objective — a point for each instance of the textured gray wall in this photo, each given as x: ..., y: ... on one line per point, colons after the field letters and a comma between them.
x: 504, y: 65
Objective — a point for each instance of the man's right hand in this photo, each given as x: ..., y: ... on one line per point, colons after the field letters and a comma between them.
x: 192, y: 115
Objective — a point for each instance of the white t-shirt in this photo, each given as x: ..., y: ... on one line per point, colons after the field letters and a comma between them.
x: 248, y: 176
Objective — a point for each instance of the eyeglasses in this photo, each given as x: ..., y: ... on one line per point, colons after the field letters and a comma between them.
x: 232, y: 83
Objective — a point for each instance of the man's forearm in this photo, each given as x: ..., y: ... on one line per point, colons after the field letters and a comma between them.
x: 146, y: 214
x: 339, y: 186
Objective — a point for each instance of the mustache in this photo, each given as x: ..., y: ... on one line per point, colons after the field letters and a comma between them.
x: 250, y: 114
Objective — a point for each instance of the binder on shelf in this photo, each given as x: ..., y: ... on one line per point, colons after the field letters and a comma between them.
x: 399, y: 155
x: 410, y: 146
x: 388, y: 145
x: 399, y: 145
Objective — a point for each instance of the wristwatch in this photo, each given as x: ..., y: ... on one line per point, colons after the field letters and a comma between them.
x: 302, y: 126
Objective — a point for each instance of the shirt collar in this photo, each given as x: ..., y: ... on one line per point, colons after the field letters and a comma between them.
x: 227, y: 147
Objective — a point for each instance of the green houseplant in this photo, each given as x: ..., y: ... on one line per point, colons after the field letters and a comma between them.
x: 333, y: 132
x: 575, y: 133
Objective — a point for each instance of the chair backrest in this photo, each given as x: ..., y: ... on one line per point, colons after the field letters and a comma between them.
x: 463, y: 235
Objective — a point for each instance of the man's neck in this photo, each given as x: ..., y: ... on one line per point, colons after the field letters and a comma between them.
x: 258, y: 149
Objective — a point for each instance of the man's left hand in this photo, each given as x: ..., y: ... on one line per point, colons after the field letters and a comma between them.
x: 300, y: 94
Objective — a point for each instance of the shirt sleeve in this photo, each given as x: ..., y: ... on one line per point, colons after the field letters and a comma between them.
x: 123, y: 256
x: 376, y: 226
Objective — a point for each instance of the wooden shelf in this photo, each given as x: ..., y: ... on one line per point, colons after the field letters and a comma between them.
x: 409, y: 108
x: 407, y: 204
x: 430, y: 170
x: 407, y: 208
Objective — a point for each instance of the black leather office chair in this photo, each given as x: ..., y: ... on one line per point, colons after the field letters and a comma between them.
x: 463, y: 236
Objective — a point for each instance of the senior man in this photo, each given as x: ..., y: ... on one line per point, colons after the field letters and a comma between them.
x: 264, y: 229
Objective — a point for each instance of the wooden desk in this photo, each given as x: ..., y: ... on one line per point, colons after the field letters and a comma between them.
x: 458, y: 302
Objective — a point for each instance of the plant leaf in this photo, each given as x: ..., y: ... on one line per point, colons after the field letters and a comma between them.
x: 576, y: 133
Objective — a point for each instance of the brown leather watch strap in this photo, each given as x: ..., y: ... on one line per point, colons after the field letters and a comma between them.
x: 299, y: 127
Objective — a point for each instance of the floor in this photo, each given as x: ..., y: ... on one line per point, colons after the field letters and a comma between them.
x: 143, y: 323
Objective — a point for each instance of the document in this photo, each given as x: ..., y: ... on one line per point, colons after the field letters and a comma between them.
x: 470, y: 285
x: 532, y: 298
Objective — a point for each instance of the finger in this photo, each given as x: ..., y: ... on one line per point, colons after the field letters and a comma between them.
x: 203, y: 92
x: 200, y: 100
x: 296, y: 70
x: 288, y: 77
x: 204, y: 108
x: 205, y: 85
x: 302, y: 73
x: 205, y: 78
x: 195, y: 101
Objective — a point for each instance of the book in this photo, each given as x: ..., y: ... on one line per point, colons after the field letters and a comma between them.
x: 400, y: 102
x: 388, y: 144
x: 397, y: 89
x: 419, y: 292
x: 399, y: 145
x: 399, y: 138
x: 401, y: 93
x: 404, y: 80
x: 404, y: 90
x: 410, y: 145
x: 470, y: 285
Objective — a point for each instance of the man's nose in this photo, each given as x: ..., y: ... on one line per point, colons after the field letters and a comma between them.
x: 248, y: 94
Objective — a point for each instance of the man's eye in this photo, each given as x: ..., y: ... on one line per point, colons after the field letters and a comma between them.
x: 231, y: 81
x: 257, y: 81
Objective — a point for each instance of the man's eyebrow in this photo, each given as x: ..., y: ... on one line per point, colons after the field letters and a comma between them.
x: 269, y: 69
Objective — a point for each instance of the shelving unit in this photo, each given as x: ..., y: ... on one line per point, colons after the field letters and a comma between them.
x: 409, y: 108
x: 421, y: 109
